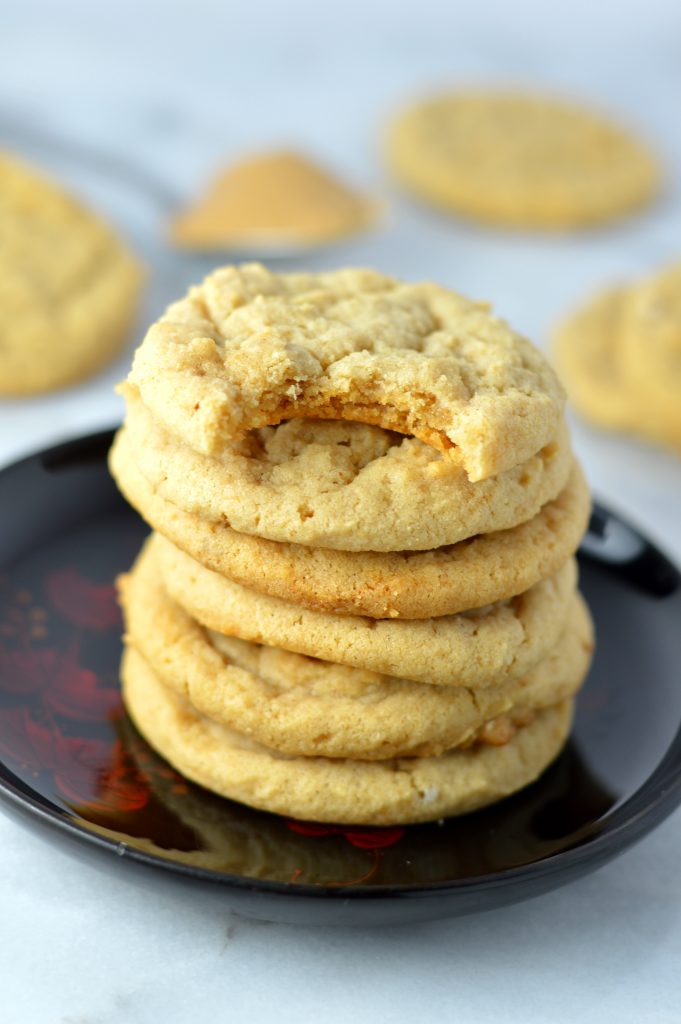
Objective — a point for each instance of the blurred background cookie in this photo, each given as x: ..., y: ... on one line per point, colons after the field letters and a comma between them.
x: 69, y: 288
x: 620, y: 357
x: 519, y: 160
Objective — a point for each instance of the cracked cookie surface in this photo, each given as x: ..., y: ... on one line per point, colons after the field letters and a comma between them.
x: 483, y: 647
x: 411, y: 585
x: 304, y: 706
x: 249, y: 348
x: 340, y: 485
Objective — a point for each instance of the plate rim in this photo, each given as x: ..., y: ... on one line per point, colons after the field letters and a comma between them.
x: 628, y: 822
x: 600, y: 847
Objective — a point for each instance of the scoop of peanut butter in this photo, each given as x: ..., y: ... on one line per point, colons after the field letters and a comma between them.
x: 273, y: 200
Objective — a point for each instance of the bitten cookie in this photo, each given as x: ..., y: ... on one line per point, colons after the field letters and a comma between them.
x: 249, y: 348
x: 340, y: 791
x: 69, y: 289
x: 520, y: 160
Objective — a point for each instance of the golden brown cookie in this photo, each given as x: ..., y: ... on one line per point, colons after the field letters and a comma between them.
x: 586, y: 352
x: 341, y: 791
x: 485, y: 647
x: 651, y: 351
x: 307, y: 707
x: 620, y: 356
x: 520, y: 160
x: 346, y: 486
x: 249, y: 348
x: 230, y: 837
x: 489, y: 567
x: 69, y: 289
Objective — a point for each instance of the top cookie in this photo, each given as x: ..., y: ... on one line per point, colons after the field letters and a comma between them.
x: 520, y: 160
x: 249, y: 348
x: 68, y: 287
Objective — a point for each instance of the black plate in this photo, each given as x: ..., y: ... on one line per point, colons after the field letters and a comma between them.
x: 70, y: 759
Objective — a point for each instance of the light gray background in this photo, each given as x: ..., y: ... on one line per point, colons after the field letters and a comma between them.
x: 173, y: 89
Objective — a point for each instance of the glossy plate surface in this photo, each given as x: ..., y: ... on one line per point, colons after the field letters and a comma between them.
x: 72, y: 764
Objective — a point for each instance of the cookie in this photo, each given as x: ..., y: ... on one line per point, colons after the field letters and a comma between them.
x: 520, y: 160
x: 230, y: 837
x: 486, y: 568
x: 69, y: 289
x: 346, y: 486
x: 620, y: 357
x: 340, y: 791
x: 651, y: 351
x: 586, y: 352
x: 485, y: 647
x: 287, y: 701
x: 249, y: 348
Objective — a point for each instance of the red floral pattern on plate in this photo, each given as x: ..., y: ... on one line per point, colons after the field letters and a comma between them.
x: 65, y: 687
x: 56, y: 714
x: 365, y: 839
x: 61, y: 719
x: 86, y: 604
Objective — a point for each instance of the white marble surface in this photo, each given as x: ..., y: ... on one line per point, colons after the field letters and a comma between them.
x: 174, y: 88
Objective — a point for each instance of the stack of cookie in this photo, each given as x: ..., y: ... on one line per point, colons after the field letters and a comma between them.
x: 359, y: 604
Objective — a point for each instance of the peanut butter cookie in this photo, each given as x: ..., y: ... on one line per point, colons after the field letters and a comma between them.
x: 339, y: 485
x: 620, y: 356
x: 249, y: 348
x: 340, y: 791
x: 520, y: 160
x: 69, y: 289
x: 483, y: 647
x: 307, y: 707
x: 412, y: 585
